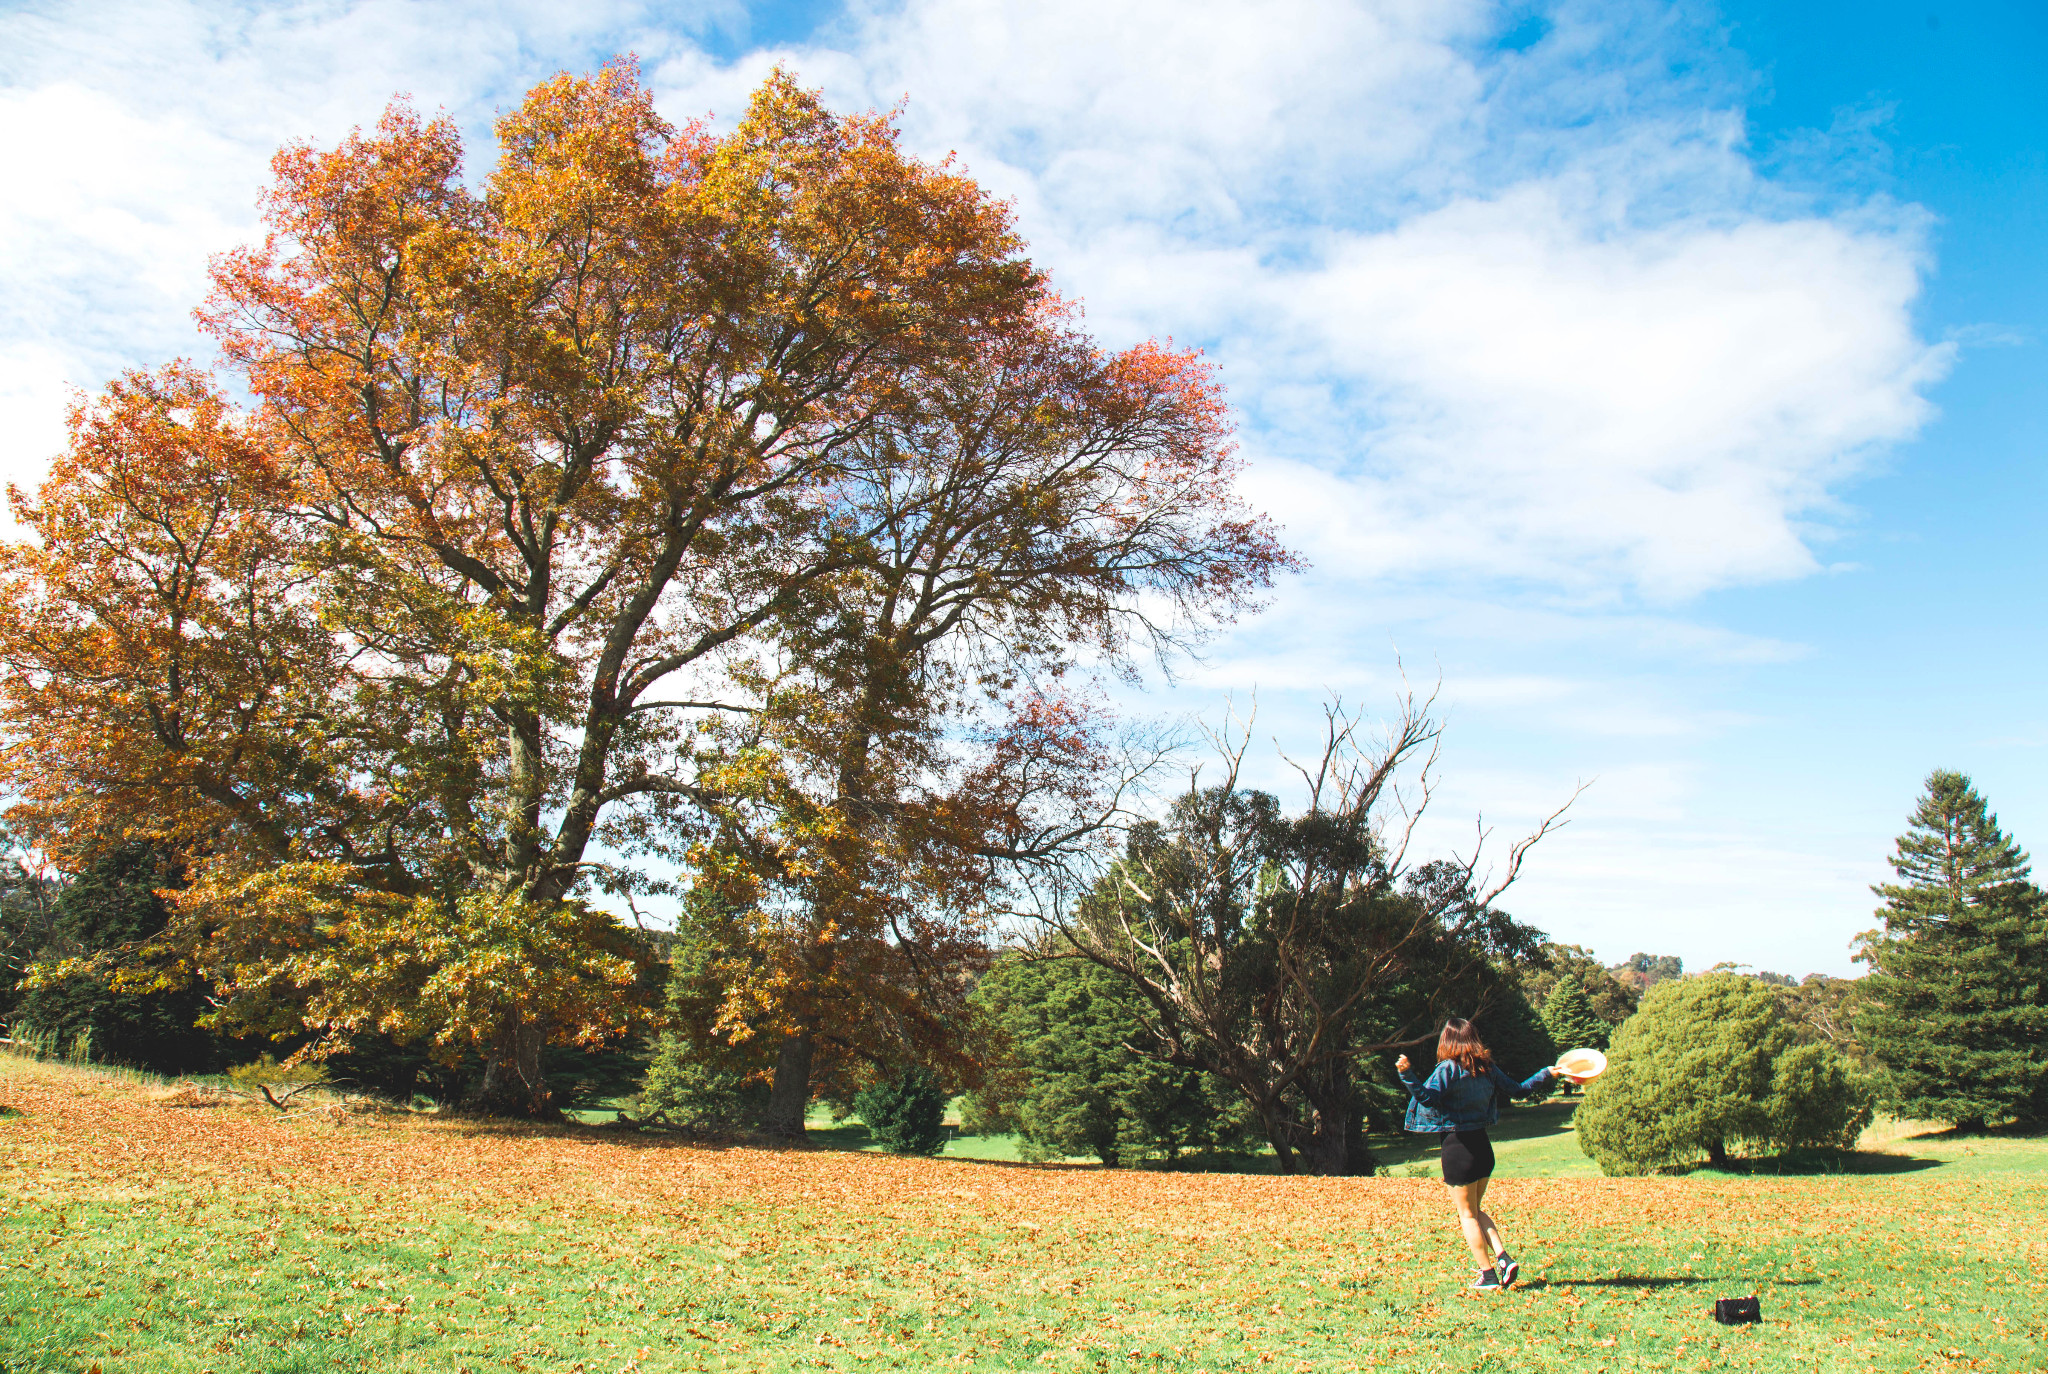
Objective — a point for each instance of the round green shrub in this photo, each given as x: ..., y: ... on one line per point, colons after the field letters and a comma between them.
x: 1706, y: 1066
x: 905, y: 1115
x: 1818, y: 1099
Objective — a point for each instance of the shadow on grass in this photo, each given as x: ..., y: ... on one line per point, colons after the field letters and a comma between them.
x: 1812, y: 1163
x: 1389, y: 1152
x: 2009, y: 1130
x: 1395, y: 1154
x: 853, y: 1136
x: 1618, y: 1281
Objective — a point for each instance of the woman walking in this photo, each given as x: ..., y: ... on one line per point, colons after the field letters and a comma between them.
x: 1461, y: 1098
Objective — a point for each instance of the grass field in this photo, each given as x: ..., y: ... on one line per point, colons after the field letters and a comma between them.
x: 141, y: 1236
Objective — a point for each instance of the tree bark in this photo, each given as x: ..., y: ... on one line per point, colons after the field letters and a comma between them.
x: 514, y: 1082
x: 1278, y: 1128
x: 1717, y: 1153
x: 1358, y: 1160
x: 790, y: 1097
x: 1336, y: 1146
x: 1326, y: 1153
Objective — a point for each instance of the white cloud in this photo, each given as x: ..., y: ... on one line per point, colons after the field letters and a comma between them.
x: 1482, y: 331
x: 1664, y: 411
x: 140, y: 136
x: 1194, y: 110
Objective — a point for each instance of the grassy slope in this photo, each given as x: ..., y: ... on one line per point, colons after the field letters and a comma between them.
x: 143, y: 1237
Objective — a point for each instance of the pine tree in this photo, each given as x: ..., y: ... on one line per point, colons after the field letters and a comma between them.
x: 704, y: 1080
x: 1956, y: 1012
x: 1569, y: 1017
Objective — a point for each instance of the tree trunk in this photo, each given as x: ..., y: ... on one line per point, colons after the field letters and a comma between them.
x: 790, y: 1098
x: 514, y: 1083
x: 1717, y: 1153
x: 1358, y: 1160
x: 1278, y: 1128
x: 1972, y: 1126
x: 1326, y: 1152
x: 1335, y: 1147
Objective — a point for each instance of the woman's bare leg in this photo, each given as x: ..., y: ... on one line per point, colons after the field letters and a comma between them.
x: 1487, y: 1226
x: 1465, y: 1197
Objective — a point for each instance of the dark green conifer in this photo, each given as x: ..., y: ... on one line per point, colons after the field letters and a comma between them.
x: 112, y: 909
x: 701, y: 1080
x: 906, y: 1114
x: 1075, y: 1083
x: 1955, y: 1013
x: 1569, y: 1017
x: 1515, y: 1031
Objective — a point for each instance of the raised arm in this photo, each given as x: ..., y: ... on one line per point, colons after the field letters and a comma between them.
x: 1428, y: 1091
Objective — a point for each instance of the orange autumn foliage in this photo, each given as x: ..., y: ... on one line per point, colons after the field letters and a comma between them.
x: 159, y: 645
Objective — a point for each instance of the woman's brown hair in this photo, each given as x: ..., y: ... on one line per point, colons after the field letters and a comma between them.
x: 1461, y: 1043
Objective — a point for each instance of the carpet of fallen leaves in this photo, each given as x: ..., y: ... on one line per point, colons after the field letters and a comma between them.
x: 85, y: 1133
x: 1153, y: 1260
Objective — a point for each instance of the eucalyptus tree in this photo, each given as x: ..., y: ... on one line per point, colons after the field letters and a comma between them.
x: 1275, y: 951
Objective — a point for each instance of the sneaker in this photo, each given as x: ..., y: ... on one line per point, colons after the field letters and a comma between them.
x: 1487, y: 1280
x: 1507, y: 1269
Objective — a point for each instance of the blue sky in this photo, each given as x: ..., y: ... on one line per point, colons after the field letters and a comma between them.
x: 1668, y: 378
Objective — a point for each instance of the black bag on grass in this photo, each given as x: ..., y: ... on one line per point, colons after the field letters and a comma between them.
x: 1735, y: 1311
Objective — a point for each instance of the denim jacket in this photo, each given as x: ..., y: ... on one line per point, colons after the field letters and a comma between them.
x: 1454, y: 1100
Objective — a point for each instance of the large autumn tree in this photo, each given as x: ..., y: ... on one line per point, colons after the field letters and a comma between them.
x: 539, y: 476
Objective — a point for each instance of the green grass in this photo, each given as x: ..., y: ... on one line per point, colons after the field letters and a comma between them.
x: 137, y: 1238
x: 1532, y: 1141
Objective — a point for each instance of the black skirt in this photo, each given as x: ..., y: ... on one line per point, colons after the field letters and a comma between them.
x: 1468, y: 1157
